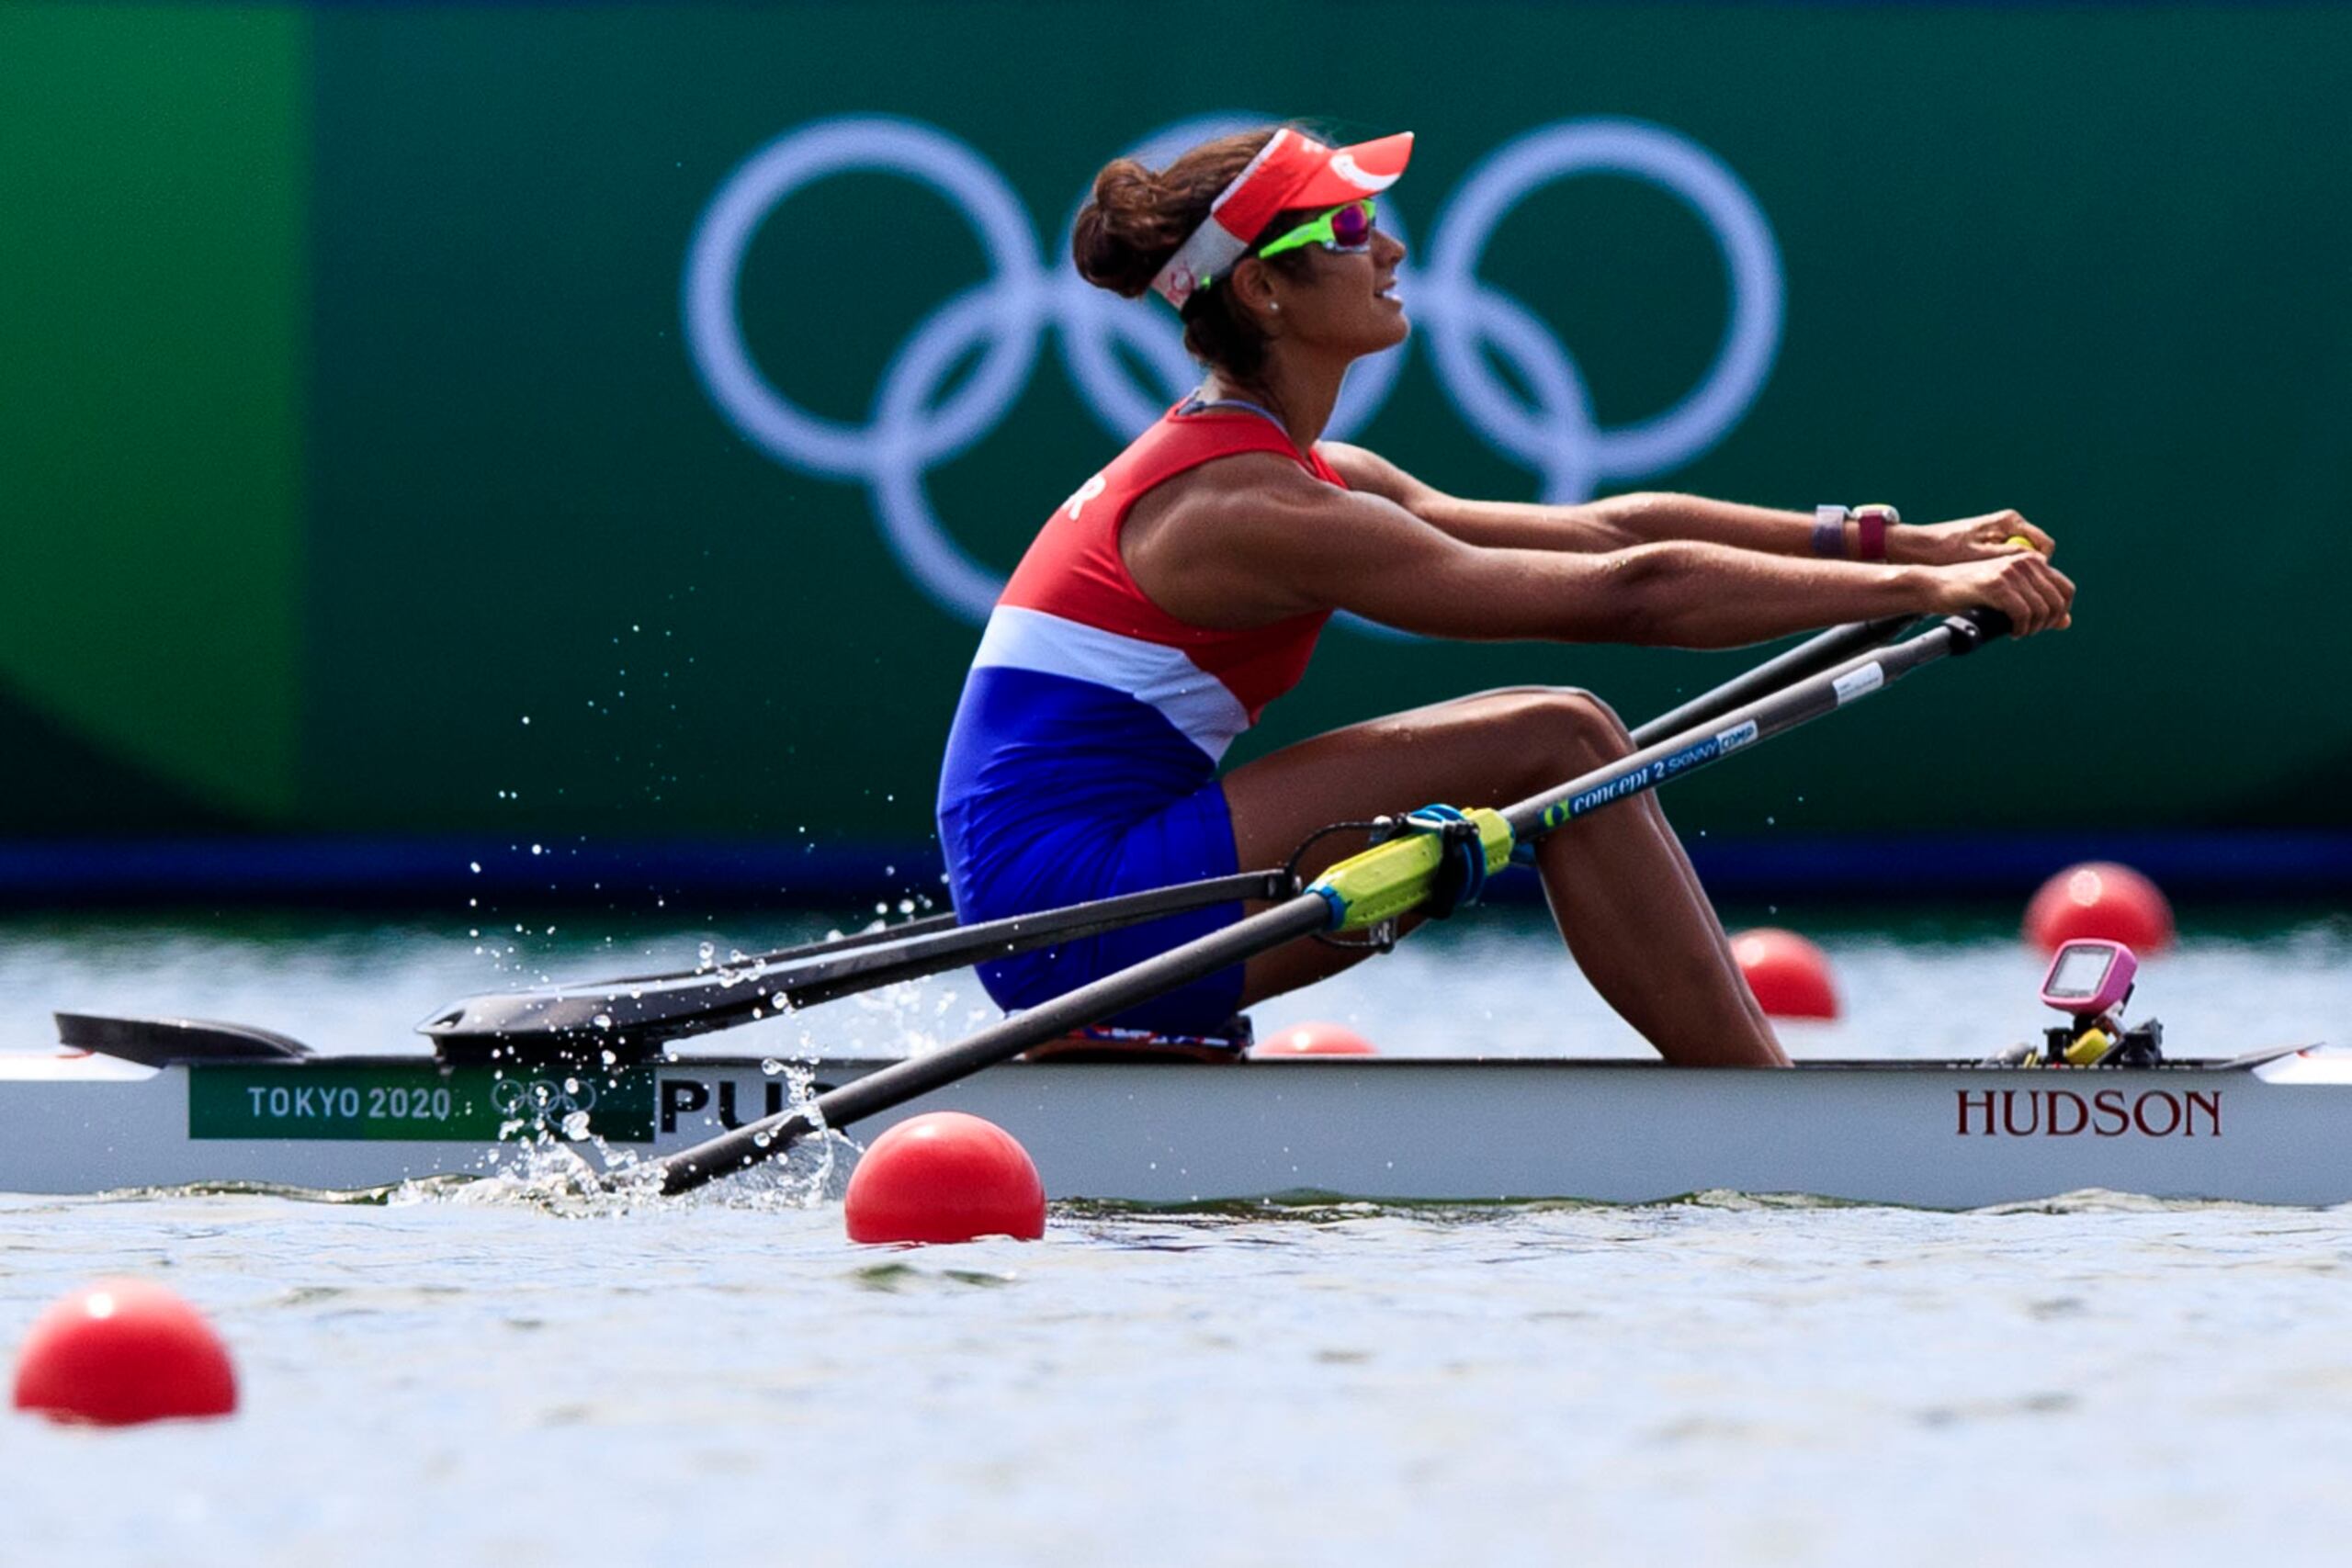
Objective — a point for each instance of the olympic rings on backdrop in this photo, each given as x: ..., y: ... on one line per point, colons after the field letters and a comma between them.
x: 1006, y: 317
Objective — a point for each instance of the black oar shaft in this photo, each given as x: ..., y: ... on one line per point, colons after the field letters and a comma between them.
x: 1808, y: 658
x: 654, y: 1009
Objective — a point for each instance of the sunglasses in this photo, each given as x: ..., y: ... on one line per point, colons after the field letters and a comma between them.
x: 1346, y: 229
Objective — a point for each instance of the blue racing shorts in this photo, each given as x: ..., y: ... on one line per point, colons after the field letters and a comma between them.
x: 1073, y: 861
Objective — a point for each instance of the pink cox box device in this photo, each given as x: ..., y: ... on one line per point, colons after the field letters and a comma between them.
x: 2089, y: 977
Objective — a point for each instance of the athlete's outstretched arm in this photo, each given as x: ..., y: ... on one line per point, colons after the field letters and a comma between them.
x: 1256, y: 539
x: 1649, y: 517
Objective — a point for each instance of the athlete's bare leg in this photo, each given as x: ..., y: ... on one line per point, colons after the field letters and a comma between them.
x: 1619, y: 884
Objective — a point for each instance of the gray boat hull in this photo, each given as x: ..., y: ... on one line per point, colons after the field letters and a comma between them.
x: 1930, y: 1134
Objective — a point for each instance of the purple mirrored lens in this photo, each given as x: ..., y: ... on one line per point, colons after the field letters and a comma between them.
x: 1352, y: 226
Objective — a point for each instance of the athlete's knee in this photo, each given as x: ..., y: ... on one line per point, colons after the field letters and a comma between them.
x: 1601, y: 718
x: 1561, y: 731
x: 1590, y: 728
x: 1539, y: 697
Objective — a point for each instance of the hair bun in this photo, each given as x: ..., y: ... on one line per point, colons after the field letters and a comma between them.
x: 1128, y: 232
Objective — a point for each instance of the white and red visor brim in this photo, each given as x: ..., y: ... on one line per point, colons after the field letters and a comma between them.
x: 1291, y: 171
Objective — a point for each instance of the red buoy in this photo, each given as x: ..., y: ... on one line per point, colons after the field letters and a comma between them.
x: 122, y: 1351
x: 1315, y: 1039
x: 2104, y: 900
x: 1789, y: 975
x: 946, y: 1177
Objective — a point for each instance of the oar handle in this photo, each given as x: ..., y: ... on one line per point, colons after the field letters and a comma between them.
x: 1971, y: 629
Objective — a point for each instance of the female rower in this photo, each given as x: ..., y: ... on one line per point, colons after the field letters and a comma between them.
x: 1178, y: 591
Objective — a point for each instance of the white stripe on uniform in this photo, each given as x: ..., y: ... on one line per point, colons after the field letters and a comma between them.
x: 1199, y: 705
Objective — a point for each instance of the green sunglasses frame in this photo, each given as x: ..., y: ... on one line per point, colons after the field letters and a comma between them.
x: 1319, y: 231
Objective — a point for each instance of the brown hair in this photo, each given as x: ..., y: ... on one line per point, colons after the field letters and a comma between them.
x: 1139, y: 216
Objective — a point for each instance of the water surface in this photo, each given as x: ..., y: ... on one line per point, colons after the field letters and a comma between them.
x: 456, y: 1375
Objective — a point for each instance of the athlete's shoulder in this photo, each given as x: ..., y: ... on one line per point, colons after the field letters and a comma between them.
x: 1247, y: 484
x: 1360, y: 469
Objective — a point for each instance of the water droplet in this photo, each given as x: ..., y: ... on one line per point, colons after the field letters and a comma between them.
x: 476, y: 866
x: 603, y: 1021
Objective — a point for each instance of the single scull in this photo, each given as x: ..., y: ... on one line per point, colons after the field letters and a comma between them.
x: 593, y: 1069
x: 2270, y: 1128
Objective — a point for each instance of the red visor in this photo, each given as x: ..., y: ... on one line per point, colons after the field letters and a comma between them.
x: 1291, y: 171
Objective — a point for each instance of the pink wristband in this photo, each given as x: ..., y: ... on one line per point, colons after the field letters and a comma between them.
x: 1871, y: 525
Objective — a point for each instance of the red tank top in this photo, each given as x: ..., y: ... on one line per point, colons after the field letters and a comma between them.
x: 1073, y: 570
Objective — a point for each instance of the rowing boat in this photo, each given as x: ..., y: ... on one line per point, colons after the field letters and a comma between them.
x: 2267, y: 1128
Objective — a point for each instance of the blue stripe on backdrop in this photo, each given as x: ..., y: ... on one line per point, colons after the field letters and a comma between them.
x: 691, y: 875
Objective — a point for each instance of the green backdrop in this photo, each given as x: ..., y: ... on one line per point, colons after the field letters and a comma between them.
x: 357, y: 477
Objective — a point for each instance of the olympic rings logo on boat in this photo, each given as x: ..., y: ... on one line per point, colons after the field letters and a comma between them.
x: 542, y: 1099
x: 1006, y: 319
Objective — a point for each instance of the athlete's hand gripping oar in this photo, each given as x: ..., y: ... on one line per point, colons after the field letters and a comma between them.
x: 1815, y: 653
x: 1385, y: 881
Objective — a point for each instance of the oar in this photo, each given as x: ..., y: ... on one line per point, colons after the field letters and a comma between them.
x: 1379, y: 884
x: 1814, y: 654
x: 634, y: 1014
